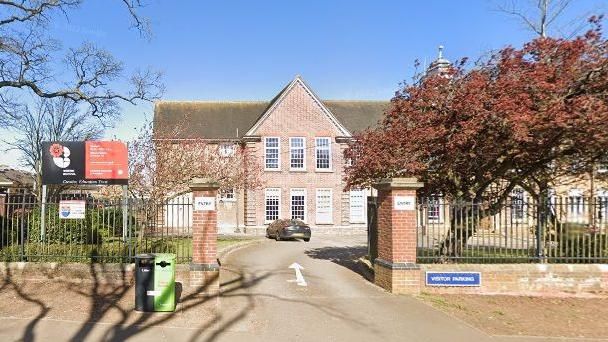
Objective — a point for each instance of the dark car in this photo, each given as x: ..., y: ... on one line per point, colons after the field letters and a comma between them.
x: 288, y: 229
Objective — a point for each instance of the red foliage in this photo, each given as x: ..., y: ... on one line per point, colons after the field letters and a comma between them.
x: 515, y: 119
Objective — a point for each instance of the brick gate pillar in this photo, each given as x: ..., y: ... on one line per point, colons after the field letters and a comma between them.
x: 395, y: 268
x: 204, y: 270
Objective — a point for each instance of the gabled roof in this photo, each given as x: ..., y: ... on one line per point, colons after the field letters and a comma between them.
x: 299, y: 81
x: 234, y: 119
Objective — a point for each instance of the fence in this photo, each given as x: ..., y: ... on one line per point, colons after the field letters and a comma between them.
x: 561, y: 230
x: 33, y: 231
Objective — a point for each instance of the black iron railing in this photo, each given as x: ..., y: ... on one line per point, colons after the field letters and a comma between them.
x: 560, y: 230
x: 109, y: 231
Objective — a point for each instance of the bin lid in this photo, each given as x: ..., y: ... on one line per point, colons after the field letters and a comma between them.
x: 145, y: 256
x: 165, y: 256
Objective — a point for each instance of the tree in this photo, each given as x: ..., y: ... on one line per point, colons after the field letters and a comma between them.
x: 30, y: 65
x: 161, y: 167
x: 57, y: 119
x: 522, y: 118
x: 536, y: 15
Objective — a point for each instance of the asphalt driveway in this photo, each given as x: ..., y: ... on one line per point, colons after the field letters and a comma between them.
x: 260, y: 301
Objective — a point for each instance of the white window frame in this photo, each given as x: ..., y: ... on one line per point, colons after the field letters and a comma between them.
x: 576, y: 206
x: 356, y: 218
x: 298, y: 192
x: 331, y: 206
x: 278, y: 148
x: 227, y: 149
x: 272, y: 192
x: 292, y: 149
x: 318, y: 148
x: 515, y: 193
x: 223, y: 195
x: 439, y: 200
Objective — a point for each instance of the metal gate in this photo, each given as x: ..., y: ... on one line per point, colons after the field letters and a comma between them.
x: 372, y: 228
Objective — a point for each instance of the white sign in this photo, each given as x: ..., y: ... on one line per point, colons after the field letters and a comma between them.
x: 72, y: 209
x: 404, y: 203
x: 204, y: 203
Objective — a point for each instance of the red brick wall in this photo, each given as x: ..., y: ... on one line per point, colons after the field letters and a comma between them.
x: 298, y: 115
x: 396, y: 228
x: 204, y: 232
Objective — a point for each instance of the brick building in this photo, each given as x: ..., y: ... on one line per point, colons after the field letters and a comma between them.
x: 299, y: 139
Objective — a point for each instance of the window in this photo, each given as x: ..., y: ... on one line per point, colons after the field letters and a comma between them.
x: 575, y: 205
x: 434, y: 211
x: 323, y: 153
x: 272, y: 201
x: 227, y: 150
x: 297, y: 148
x: 357, y: 206
x: 298, y: 204
x: 518, y: 210
x: 227, y: 195
x: 601, y: 203
x: 324, y: 206
x: 271, y: 153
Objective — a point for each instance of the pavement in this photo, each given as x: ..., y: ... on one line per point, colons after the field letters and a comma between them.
x: 260, y: 301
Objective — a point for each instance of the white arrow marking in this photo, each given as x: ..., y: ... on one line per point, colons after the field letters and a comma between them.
x: 299, y: 277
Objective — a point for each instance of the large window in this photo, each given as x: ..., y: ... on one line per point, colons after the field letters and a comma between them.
x: 272, y: 201
x: 357, y: 206
x: 323, y: 203
x: 323, y: 153
x: 297, y: 148
x: 298, y: 204
x: 271, y: 153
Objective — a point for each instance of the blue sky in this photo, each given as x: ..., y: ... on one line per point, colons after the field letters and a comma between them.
x: 248, y: 50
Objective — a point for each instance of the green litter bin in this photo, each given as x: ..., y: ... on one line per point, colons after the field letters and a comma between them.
x: 155, y: 282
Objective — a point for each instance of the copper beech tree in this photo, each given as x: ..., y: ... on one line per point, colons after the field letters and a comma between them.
x: 521, y: 118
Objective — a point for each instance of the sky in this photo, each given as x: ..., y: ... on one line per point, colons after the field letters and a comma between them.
x: 249, y: 50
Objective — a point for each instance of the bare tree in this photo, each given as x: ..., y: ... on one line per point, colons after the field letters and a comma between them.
x: 161, y: 166
x: 30, y: 62
x: 536, y: 15
x: 56, y: 119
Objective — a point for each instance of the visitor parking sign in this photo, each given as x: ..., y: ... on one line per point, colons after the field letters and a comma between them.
x: 453, y: 278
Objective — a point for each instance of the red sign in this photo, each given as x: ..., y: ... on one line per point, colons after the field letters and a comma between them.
x: 106, y: 160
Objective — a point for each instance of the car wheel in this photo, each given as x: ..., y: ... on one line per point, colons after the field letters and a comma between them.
x: 306, y: 240
x: 277, y: 237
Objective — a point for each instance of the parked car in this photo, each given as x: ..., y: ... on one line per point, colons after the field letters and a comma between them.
x: 288, y: 229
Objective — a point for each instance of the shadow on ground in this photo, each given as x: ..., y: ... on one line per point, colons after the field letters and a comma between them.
x: 113, y: 304
x: 344, y: 256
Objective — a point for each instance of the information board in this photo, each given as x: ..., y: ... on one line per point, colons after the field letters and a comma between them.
x: 85, y: 163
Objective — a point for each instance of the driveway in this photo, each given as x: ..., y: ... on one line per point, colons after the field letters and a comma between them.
x: 260, y: 301
x: 336, y: 304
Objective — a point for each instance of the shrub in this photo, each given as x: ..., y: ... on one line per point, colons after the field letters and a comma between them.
x: 99, y: 223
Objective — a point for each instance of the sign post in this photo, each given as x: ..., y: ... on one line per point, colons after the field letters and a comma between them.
x: 43, y: 214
